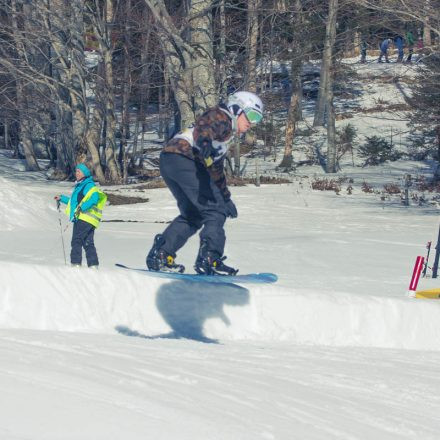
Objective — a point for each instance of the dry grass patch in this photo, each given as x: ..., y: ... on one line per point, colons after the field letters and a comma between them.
x: 118, y: 199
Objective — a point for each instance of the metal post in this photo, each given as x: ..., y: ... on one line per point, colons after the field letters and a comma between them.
x: 437, y: 255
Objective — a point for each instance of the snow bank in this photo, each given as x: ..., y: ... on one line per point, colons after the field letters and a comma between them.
x: 22, y: 207
x: 72, y: 299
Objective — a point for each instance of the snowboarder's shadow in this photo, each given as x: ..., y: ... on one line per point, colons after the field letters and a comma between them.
x: 186, y: 305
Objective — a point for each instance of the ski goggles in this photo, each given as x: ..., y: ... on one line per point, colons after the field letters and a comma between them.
x: 254, y: 116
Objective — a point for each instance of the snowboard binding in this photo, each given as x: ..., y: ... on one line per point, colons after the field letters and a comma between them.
x: 211, y: 263
x: 159, y: 260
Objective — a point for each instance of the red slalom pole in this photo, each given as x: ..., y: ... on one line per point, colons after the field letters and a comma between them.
x: 416, y: 275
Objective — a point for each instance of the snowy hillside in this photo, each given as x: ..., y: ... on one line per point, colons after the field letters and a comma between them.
x: 334, y: 350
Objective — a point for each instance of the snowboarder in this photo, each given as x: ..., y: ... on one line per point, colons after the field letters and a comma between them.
x: 384, y: 50
x: 398, y: 42
x: 192, y: 165
x: 84, y: 208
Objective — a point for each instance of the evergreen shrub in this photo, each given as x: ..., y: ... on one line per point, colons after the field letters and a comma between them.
x: 377, y: 150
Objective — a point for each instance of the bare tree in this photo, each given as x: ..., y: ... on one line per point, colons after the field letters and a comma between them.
x: 221, y: 50
x: 65, y: 28
x: 252, y: 44
x: 330, y: 37
x: 23, y: 91
x: 188, y: 53
x: 326, y: 64
x: 295, y: 78
x: 102, y: 17
x: 126, y: 90
x: 53, y: 66
x: 427, y: 23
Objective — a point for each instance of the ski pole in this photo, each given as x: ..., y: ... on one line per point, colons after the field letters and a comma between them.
x: 428, y: 246
x: 61, y: 230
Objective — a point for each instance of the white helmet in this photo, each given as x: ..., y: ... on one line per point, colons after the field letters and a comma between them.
x: 249, y: 103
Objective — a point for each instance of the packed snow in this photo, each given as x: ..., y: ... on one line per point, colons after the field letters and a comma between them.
x: 336, y: 349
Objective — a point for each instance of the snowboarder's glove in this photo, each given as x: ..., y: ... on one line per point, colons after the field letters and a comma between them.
x: 77, y: 211
x: 231, y: 210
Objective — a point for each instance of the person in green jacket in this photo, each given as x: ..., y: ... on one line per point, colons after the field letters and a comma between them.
x: 410, y: 40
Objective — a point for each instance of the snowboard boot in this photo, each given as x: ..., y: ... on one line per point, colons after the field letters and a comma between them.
x: 161, y: 261
x: 211, y: 263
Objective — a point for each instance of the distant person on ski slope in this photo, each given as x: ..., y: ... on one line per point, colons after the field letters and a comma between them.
x: 364, y: 48
x: 398, y: 41
x: 192, y: 165
x: 410, y: 41
x: 384, y: 50
x: 84, y: 208
x: 420, y: 48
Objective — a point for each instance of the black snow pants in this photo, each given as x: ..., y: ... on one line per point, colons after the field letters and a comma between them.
x: 200, y: 203
x: 82, y: 237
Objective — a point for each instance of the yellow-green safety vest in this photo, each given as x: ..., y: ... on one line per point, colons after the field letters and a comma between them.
x: 94, y: 214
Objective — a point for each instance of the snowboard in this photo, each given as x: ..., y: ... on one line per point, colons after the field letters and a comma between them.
x: 251, y: 278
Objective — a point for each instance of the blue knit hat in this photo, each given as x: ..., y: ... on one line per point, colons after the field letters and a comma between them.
x: 82, y: 167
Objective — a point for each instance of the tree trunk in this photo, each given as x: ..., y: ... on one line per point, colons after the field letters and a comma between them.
x: 77, y: 77
x: 93, y: 136
x: 356, y: 43
x: 203, y: 77
x: 426, y: 25
x: 69, y: 66
x: 295, y: 100
x: 22, y: 95
x: 222, y: 52
x: 331, y: 128
x: 6, y: 134
x: 319, y: 118
x: 25, y: 130
x: 188, y: 57
x: 252, y: 33
x: 60, y: 66
x: 64, y: 143
x: 326, y: 65
x: 109, y: 104
x: 167, y: 106
x: 126, y: 92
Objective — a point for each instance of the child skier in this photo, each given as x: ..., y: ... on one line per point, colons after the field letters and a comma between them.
x: 84, y: 208
x: 192, y: 165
